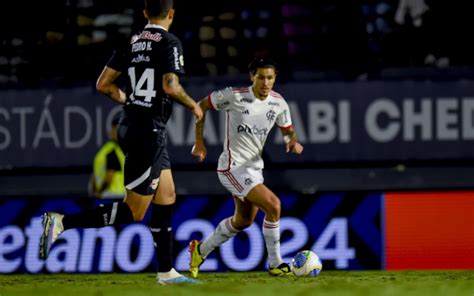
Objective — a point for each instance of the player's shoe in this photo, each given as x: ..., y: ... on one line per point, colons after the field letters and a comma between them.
x: 281, y: 270
x: 52, y: 228
x: 196, y: 258
x: 174, y: 278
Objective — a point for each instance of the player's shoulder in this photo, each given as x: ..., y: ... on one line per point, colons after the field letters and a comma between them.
x: 277, y: 100
x: 171, y: 37
x: 232, y: 90
x: 238, y: 89
x: 276, y: 95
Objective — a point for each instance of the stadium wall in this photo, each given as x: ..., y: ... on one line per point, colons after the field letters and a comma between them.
x: 349, y: 230
x: 339, y: 122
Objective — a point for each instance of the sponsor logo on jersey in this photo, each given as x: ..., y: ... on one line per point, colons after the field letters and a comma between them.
x: 222, y: 105
x: 242, y: 128
x: 248, y: 181
x: 141, y: 58
x: 273, y: 104
x: 285, y: 117
x: 176, y: 58
x: 246, y: 112
x: 220, y: 95
x: 148, y: 36
x: 246, y: 100
x: 141, y: 103
x: 259, y: 132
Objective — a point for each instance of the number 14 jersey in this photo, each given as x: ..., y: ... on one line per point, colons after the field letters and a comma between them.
x: 150, y: 54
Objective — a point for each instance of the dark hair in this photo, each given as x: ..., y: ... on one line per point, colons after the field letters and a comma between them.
x: 262, y: 62
x: 158, y: 8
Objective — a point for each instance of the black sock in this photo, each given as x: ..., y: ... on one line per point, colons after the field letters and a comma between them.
x: 106, y: 214
x: 160, y: 226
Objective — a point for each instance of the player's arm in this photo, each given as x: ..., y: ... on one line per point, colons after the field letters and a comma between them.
x: 199, y: 149
x: 291, y: 140
x: 106, y: 85
x: 174, y: 89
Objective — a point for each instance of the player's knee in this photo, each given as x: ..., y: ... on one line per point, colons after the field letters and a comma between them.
x: 166, y: 198
x: 274, y: 209
x: 171, y: 196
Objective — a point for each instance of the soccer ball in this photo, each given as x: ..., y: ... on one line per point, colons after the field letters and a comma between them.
x: 306, y: 263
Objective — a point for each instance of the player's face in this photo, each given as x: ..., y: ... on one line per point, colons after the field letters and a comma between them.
x: 263, y: 81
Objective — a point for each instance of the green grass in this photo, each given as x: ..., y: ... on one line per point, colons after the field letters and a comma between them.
x: 338, y: 283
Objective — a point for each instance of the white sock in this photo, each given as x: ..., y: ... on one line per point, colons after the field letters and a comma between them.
x: 223, y: 232
x: 271, y: 234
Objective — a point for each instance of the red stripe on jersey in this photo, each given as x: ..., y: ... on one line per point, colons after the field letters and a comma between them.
x: 210, y: 102
x: 285, y: 128
x: 240, y: 90
x: 276, y: 95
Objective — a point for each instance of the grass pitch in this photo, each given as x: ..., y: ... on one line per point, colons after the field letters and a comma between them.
x: 332, y: 283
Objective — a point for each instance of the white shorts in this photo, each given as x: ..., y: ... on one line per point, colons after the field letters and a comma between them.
x: 240, y: 180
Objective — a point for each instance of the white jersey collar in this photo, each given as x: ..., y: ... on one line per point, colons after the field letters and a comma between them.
x: 155, y: 26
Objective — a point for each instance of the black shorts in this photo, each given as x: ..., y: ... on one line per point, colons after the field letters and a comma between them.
x: 145, y: 157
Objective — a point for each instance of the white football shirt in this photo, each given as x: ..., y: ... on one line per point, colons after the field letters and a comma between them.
x: 248, y: 123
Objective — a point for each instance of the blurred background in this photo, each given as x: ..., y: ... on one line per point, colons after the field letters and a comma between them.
x: 381, y: 94
x: 65, y: 42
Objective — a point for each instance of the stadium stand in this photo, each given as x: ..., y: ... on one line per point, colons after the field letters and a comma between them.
x: 65, y: 42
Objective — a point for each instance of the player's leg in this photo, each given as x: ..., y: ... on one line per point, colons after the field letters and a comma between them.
x: 133, y: 208
x: 267, y: 201
x: 160, y: 220
x: 138, y: 180
x: 243, y: 217
x: 161, y: 230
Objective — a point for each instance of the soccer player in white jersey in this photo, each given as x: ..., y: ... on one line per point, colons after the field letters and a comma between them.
x: 251, y: 112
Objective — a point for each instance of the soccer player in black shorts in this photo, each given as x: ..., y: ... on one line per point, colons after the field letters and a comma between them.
x: 153, y: 62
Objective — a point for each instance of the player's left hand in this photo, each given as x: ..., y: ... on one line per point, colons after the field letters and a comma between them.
x: 294, y: 147
x: 199, y: 151
x: 197, y: 110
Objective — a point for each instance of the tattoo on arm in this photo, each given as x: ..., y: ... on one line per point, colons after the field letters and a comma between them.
x: 170, y: 81
x: 177, y: 91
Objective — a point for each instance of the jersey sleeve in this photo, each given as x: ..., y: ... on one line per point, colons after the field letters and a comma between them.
x: 223, y: 99
x: 174, y: 59
x: 119, y: 59
x: 284, y: 118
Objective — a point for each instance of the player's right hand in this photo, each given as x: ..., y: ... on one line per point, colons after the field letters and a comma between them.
x: 199, y: 151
